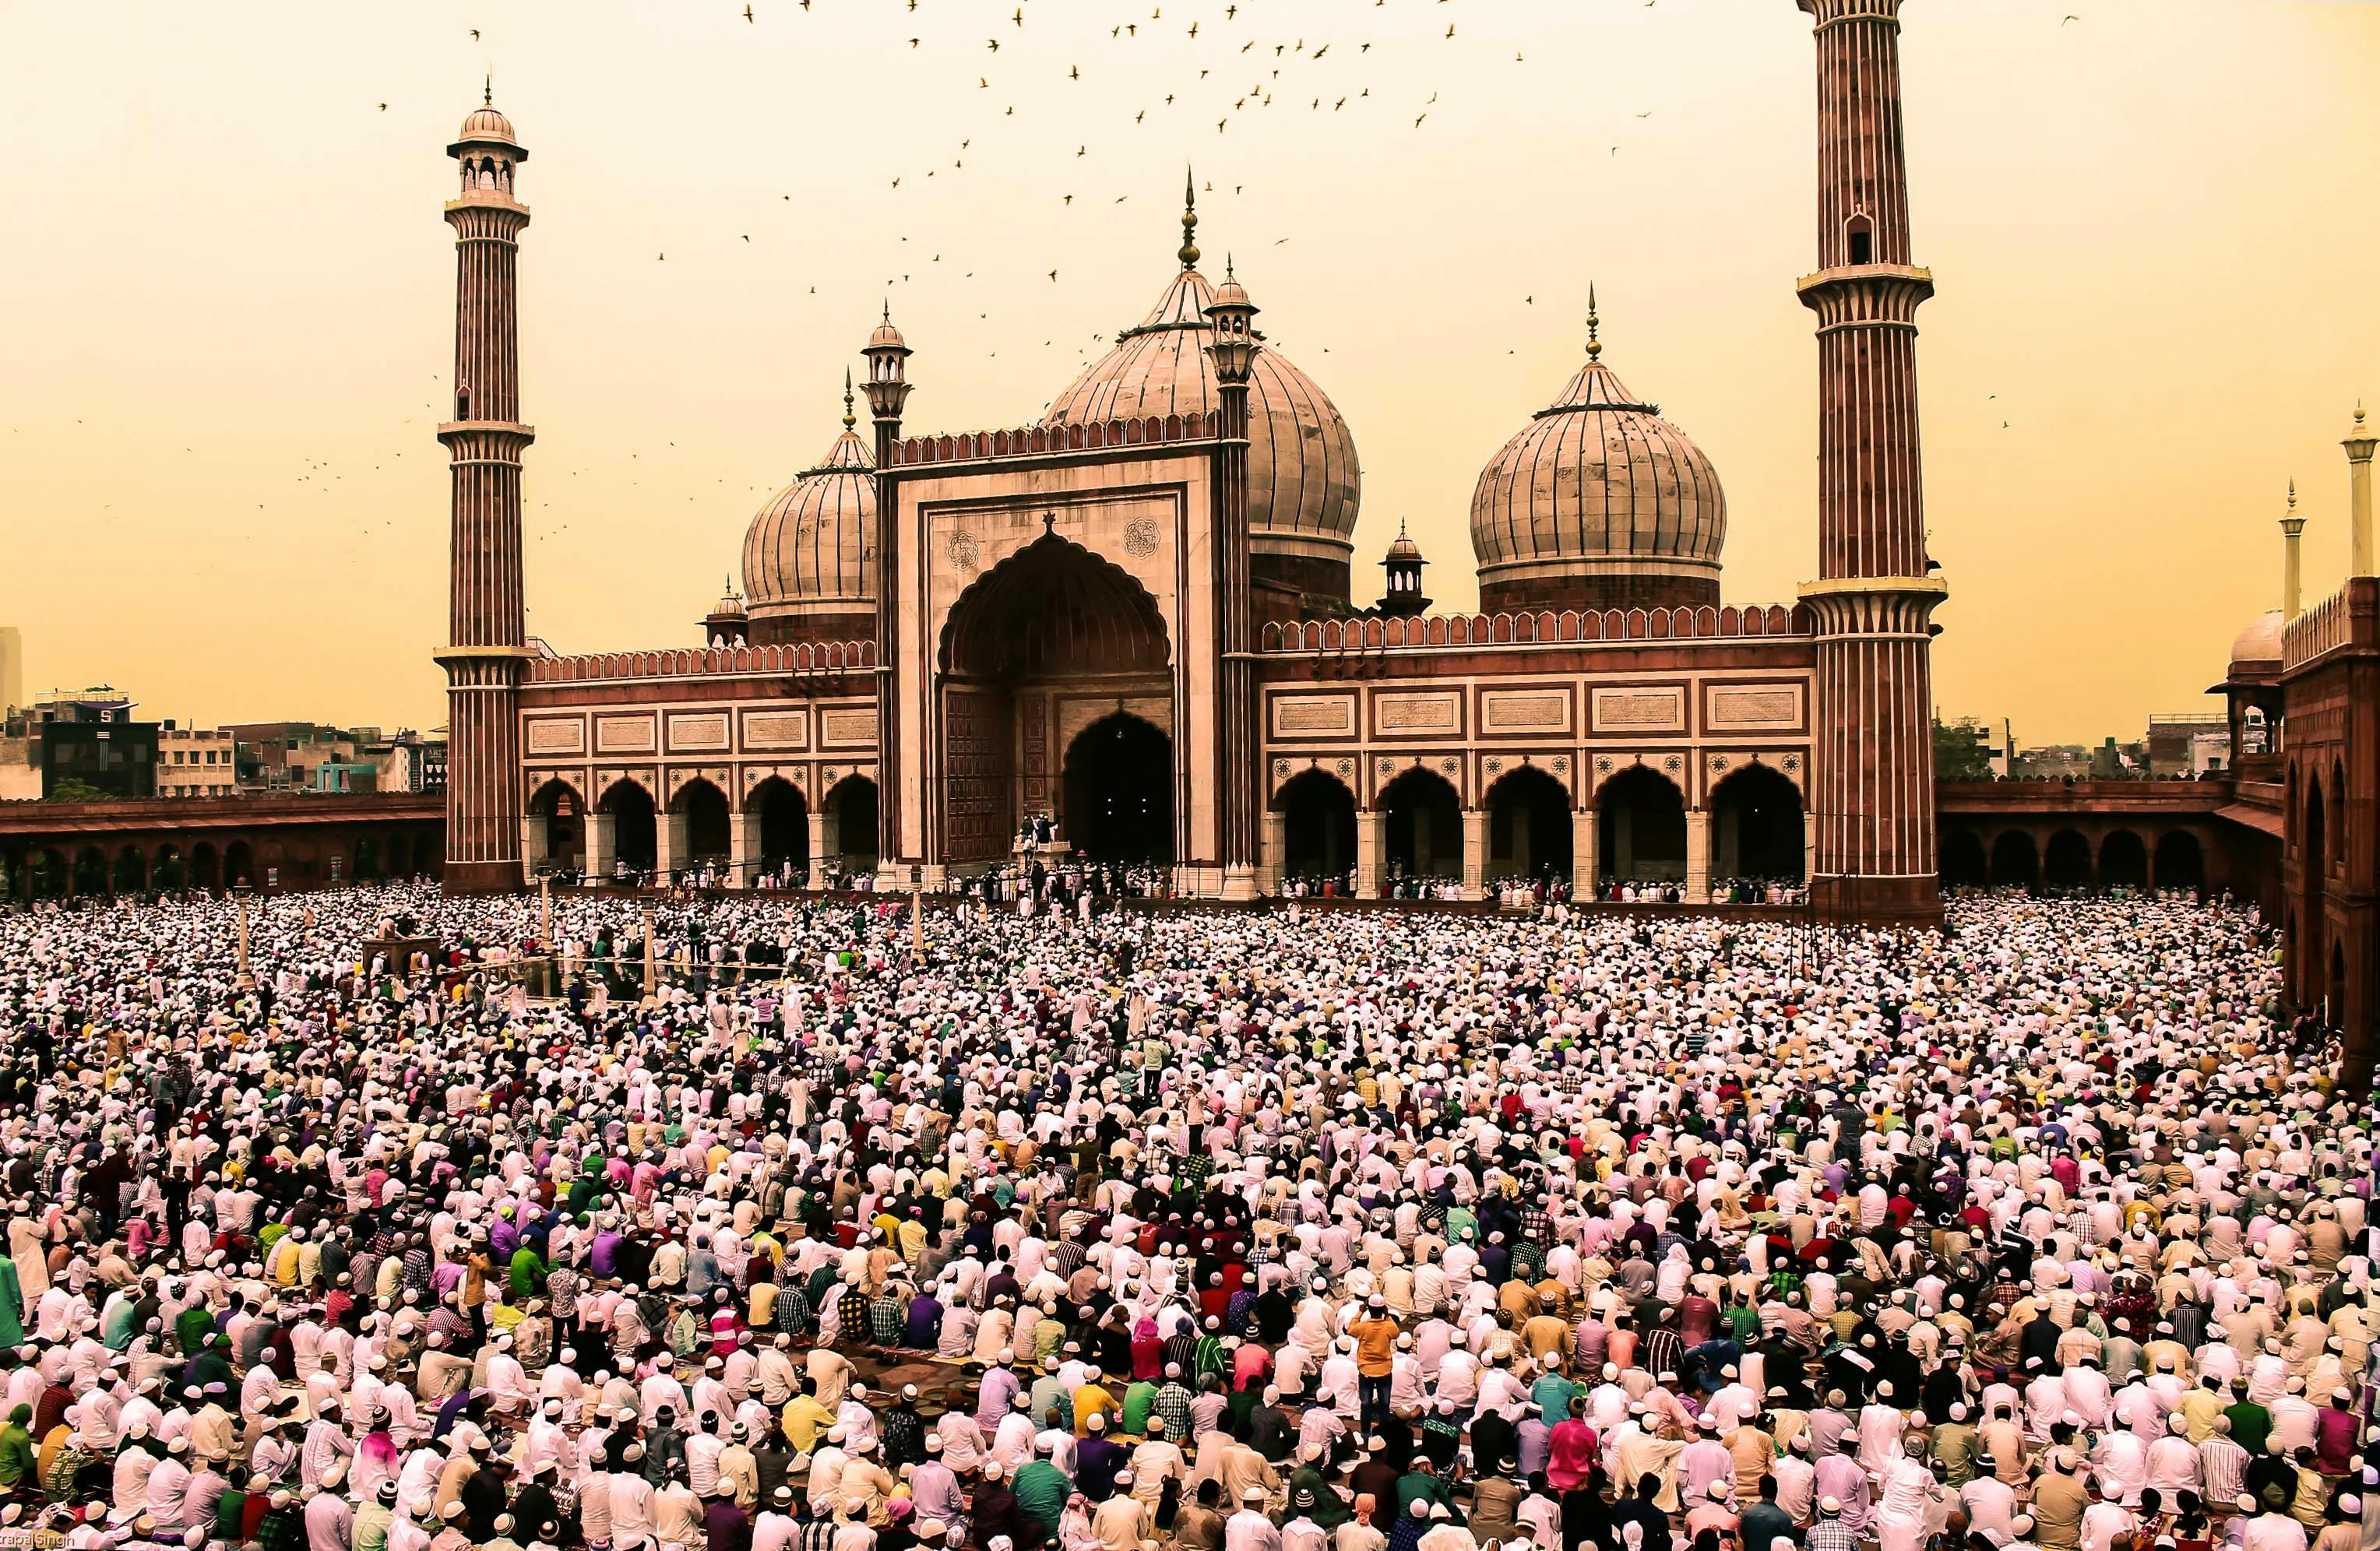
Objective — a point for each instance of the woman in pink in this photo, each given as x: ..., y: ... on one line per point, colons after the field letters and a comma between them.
x: 1147, y: 1351
x: 1574, y: 1455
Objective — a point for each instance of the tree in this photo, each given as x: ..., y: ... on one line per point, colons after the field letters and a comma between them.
x: 1962, y: 750
x: 74, y: 789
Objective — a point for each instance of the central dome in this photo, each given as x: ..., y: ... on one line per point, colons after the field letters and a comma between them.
x: 1597, y: 503
x: 809, y: 554
x: 1304, y: 480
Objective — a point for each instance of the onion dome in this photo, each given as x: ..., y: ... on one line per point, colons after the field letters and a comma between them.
x: 484, y: 125
x: 811, y: 550
x: 1598, y: 502
x: 2260, y: 644
x: 886, y: 337
x: 1303, y: 479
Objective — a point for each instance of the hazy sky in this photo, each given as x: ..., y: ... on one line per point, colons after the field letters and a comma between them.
x: 229, y: 309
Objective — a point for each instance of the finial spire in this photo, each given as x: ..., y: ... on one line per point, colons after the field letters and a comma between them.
x: 849, y: 418
x: 488, y: 92
x: 1189, y: 254
x: 2293, y: 495
x: 1594, y: 345
x: 888, y: 310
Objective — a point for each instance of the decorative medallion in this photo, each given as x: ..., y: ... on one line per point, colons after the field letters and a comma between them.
x: 1719, y: 761
x: 1562, y: 764
x: 1494, y: 766
x: 1673, y: 764
x: 1449, y: 766
x: 964, y: 552
x: 1346, y: 766
x: 1280, y: 767
x: 1140, y: 537
x: 1605, y: 765
x: 1791, y: 762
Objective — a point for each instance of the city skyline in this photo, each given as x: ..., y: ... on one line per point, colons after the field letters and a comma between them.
x: 664, y: 424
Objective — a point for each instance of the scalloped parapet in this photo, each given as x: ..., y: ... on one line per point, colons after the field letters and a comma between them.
x: 2349, y: 617
x: 1042, y: 440
x: 1547, y: 628
x: 824, y: 657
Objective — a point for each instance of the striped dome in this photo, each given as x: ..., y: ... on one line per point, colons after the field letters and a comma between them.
x: 1598, y: 484
x: 1304, y: 480
x: 812, y: 549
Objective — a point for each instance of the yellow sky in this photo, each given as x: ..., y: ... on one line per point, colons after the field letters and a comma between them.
x: 229, y: 309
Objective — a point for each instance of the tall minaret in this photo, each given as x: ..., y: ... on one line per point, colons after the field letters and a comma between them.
x: 888, y: 390
x: 1871, y: 760
x: 1239, y: 751
x: 485, y: 635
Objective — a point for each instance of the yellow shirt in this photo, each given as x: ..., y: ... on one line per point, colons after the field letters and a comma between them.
x: 805, y: 1419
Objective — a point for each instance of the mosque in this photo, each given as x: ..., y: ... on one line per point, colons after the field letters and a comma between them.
x: 1138, y: 616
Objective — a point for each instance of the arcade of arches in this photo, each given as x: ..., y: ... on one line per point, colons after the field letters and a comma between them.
x: 144, y: 848
x: 1640, y: 830
x: 1051, y: 632
x: 774, y: 832
x: 2068, y: 857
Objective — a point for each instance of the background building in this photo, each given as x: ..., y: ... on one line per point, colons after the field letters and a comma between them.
x: 195, y: 762
x: 12, y: 668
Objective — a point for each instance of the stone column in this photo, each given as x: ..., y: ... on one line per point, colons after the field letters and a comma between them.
x: 1371, y: 832
x: 1582, y: 854
x: 1474, y: 853
x: 1697, y: 855
x: 1275, y: 850
x: 536, y: 840
x: 1810, y: 847
x: 743, y: 848
x: 818, y: 847
x: 602, y: 843
x: 669, y: 843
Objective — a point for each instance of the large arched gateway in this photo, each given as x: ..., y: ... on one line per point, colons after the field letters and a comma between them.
x: 1057, y: 697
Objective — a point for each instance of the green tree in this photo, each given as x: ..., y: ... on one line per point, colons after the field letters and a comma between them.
x: 74, y: 789
x: 1962, y: 750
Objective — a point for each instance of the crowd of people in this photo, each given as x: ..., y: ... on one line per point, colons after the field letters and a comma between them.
x: 1193, y: 1230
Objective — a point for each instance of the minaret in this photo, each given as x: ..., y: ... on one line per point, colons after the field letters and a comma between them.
x: 1239, y: 759
x: 1871, y: 760
x: 2292, y: 583
x: 2359, y: 444
x: 486, y: 633
x: 888, y: 390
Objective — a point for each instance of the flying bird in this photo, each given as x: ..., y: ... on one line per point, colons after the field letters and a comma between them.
x: 1449, y: 30
x: 1647, y: 113
x: 2069, y: 18
x: 1417, y: 121
x: 475, y: 34
x: 993, y: 43
x: 1074, y: 72
x: 748, y: 12
x: 383, y: 107
x: 1194, y: 28
x: 1053, y: 277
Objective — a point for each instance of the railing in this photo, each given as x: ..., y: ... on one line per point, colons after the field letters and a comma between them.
x: 1543, y: 628
x: 1028, y: 441
x: 824, y: 657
